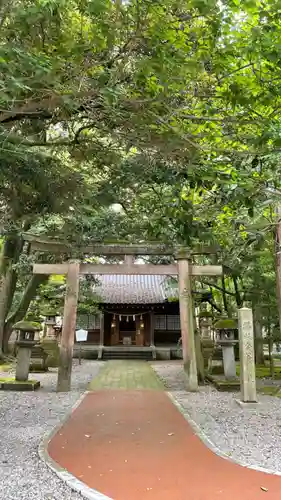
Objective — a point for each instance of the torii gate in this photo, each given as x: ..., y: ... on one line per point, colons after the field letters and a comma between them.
x: 73, y: 268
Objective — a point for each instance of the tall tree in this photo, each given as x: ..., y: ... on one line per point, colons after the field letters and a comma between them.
x: 32, y: 186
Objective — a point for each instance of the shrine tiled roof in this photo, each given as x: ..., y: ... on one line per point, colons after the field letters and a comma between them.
x: 135, y: 289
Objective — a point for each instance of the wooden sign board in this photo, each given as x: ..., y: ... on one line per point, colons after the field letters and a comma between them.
x: 81, y: 335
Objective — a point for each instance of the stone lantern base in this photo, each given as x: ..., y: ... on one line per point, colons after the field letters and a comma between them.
x: 228, y: 357
x: 14, y: 385
x: 23, y: 359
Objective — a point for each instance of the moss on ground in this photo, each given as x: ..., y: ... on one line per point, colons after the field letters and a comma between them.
x: 221, y: 384
x: 227, y: 382
x: 270, y: 390
x: 12, y: 380
x: 6, y: 367
x: 127, y: 375
x: 217, y: 370
x: 264, y: 371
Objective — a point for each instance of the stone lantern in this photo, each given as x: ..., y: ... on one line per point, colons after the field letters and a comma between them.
x: 226, y: 329
x: 25, y: 342
x: 207, y: 342
x: 50, y: 342
x: 50, y: 322
x: 57, y: 330
x: 205, y: 323
x: 50, y: 319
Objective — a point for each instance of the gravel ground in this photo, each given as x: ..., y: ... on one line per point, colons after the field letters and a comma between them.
x: 24, y: 419
x: 250, y: 437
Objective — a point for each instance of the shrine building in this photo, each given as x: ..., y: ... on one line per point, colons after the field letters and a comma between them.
x: 139, y: 317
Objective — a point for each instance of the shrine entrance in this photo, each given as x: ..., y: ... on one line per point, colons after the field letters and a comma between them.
x: 127, y: 330
x: 182, y: 266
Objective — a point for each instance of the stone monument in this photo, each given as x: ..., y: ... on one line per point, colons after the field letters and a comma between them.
x: 247, y: 356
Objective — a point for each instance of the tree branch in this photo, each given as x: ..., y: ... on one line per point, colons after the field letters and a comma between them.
x: 234, y: 71
x: 35, y: 281
x: 214, y: 305
x: 218, y: 288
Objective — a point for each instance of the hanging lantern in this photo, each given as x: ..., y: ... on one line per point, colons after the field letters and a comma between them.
x: 113, y: 324
x: 127, y: 319
x: 141, y: 323
x: 134, y: 317
x: 120, y: 317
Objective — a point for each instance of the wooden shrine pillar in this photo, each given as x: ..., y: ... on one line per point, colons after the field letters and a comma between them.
x: 68, y: 327
x: 139, y: 332
x: 114, y: 330
x: 187, y: 321
x: 151, y: 324
x: 101, y: 329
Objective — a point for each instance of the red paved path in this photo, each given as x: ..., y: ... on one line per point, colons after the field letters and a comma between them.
x: 130, y: 455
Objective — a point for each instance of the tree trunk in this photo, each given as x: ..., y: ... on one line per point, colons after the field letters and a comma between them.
x: 29, y: 293
x: 277, y: 235
x: 4, y: 291
x: 238, y: 298
x: 271, y: 359
x: 10, y: 254
x: 224, y: 295
x: 12, y: 289
x: 270, y: 348
x: 258, y: 335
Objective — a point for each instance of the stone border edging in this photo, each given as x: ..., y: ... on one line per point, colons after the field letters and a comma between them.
x: 65, y: 476
x: 215, y: 449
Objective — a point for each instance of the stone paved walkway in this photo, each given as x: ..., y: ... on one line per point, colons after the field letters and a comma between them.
x: 126, y: 375
x: 134, y: 444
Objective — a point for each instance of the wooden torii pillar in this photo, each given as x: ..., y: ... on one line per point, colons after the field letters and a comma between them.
x: 185, y: 271
x: 72, y: 270
x: 187, y: 322
x: 68, y: 327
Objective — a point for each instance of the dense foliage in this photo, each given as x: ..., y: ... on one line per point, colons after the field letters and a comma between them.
x: 142, y: 120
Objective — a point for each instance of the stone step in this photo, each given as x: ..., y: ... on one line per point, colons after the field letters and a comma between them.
x: 144, y: 355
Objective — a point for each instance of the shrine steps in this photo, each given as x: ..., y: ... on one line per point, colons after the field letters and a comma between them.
x: 158, y: 352
x: 127, y: 353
